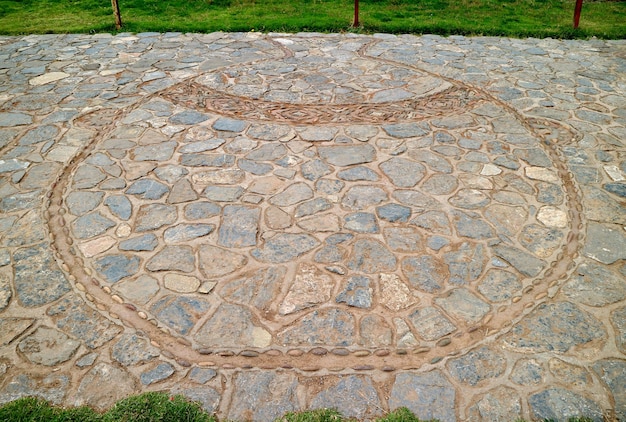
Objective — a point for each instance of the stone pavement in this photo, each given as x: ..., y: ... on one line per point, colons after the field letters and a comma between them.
x: 270, y: 223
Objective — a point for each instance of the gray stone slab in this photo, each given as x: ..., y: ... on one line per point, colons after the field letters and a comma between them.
x: 559, y: 404
x: 347, y: 155
x: 116, y: 267
x: 284, y: 247
x: 179, y: 312
x: 352, y: 396
x: 239, y: 227
x: 477, y: 366
x: 261, y: 396
x: 103, y: 386
x: 324, y: 327
x: 173, y: 258
x: 47, y: 346
x: 146, y: 242
x: 157, y: 374
x: 429, y: 395
x: 605, y: 243
x: 613, y: 373
x: 232, y: 326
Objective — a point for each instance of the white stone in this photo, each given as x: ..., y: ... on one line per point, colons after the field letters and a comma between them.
x: 541, y: 173
x: 47, y: 78
x: 181, y: 283
x: 62, y: 153
x: 552, y: 217
x: 96, y: 246
x: 490, y: 170
x: 614, y: 173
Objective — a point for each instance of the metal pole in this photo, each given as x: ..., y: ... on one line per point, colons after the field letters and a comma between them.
x: 577, y: 9
x: 116, y: 13
x: 355, y: 23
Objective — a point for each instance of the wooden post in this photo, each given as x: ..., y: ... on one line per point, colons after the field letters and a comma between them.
x: 116, y: 12
x: 355, y: 23
x: 577, y: 10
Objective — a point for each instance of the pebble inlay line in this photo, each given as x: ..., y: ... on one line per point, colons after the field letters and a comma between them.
x: 308, y: 224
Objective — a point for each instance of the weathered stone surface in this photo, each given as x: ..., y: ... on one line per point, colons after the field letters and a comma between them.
x: 147, y: 189
x: 257, y: 289
x: 218, y: 177
x: 181, y: 283
x: 472, y: 225
x: 233, y: 326
x: 179, y: 312
x: 171, y: 173
x: 80, y: 321
x: 463, y: 305
x: 188, y: 117
x: 13, y: 328
x: 170, y: 258
x: 557, y: 327
x: 201, y: 375
x: 52, y: 388
x: 506, y: 219
x: 186, y: 232
x: 119, y: 206
x: 499, y: 285
x: 208, y: 398
x: 361, y: 222
x: 541, y: 241
x: 434, y: 161
x: 394, y: 294
x: 159, y: 373
x: 91, y: 225
x: 310, y: 287
x: 595, y: 285
x: 223, y: 193
x: 527, y: 372
x: 201, y: 210
x: 613, y: 373
x: 477, y: 366
x: 404, y: 336
x: 428, y: 396
x: 87, y: 176
x: 501, y: 404
x: 352, y: 396
x: 434, y: 221
x: 560, y: 404
x: 103, y: 386
x: 216, y: 262
x: 116, y: 267
x: 133, y: 350
x: 417, y: 199
x: 239, y: 227
x: 145, y: 242
x: 394, y: 213
x: 374, y: 332
x: 440, y: 184
x: 402, y: 172
x: 357, y: 292
x: 263, y: 396
x: 181, y: 191
x: 431, y: 324
x: 207, y: 160
x: 293, y: 194
x: 139, y: 290
x: 5, y: 291
x: 602, y: 208
x: 161, y: 151
x: 323, y: 327
x: 605, y: 243
x: 153, y: 216
x: 47, y: 346
x: 571, y: 375
x: 347, y: 155
x: 470, y: 199
x: 37, y: 279
x: 427, y: 273
x: 404, y: 130
x: 358, y: 173
x: 311, y: 207
x: 362, y: 197
x: 525, y: 263
x: 284, y: 247
x: 371, y: 256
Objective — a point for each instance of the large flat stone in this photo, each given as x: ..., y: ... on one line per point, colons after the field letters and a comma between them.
x: 179, y: 312
x: 324, y: 327
x: 261, y: 396
x: 352, y: 396
x: 233, y: 326
x: 103, y: 386
x: 239, y: 227
x: 559, y: 404
x: 284, y: 247
x: 428, y: 396
x: 347, y: 155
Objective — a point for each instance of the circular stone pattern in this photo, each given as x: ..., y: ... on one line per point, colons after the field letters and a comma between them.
x: 238, y: 229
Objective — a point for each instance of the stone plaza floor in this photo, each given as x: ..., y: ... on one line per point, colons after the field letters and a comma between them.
x: 268, y: 223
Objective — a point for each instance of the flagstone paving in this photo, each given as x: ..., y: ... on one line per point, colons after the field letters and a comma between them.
x: 270, y: 223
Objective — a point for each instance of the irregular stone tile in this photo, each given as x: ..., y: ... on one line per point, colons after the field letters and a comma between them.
x: 394, y: 213
x: 440, y: 184
x: 500, y: 404
x: 96, y: 246
x: 188, y: 117
x: 161, y: 151
x: 464, y: 305
x: 139, y: 290
x: 525, y: 263
x: 471, y: 225
x: 310, y: 287
x: 403, y: 239
x: 179, y: 312
x: 330, y: 254
x: 207, y: 160
x: 552, y: 217
x: 157, y: 374
x: 527, y: 372
x: 394, y: 294
x: 557, y: 327
x: 347, y: 155
x: 601, y: 207
x: 91, y: 225
x: 208, y: 398
x: 417, y: 199
x: 200, y: 375
x: 257, y: 289
x: 402, y: 172
x: 561, y: 404
x: 87, y: 177
x: 499, y: 285
x: 549, y: 193
x: 103, y: 386
x: 311, y: 207
x: 240, y: 225
x: 47, y: 346
x: 370, y: 257
x: 293, y: 194
x: 12, y: 164
x: 87, y: 360
x: 374, y: 332
x: 435, y: 162
x: 429, y: 395
x: 134, y: 170
x: 465, y: 263
x: 218, y: 177
x: 233, y: 326
x: 186, y: 232
x: 358, y: 173
x: 40, y: 176
x: 27, y: 230
x: 605, y: 243
x: 357, y: 292
x: 618, y: 319
x: 131, y: 349
x: 361, y: 222
x: 153, y: 216
x: 119, y: 206
x: 362, y: 197
x: 146, y: 242
x: 404, y: 336
x: 317, y: 133
x: 506, y: 219
x: 352, y: 396
x: 147, y: 189
x: 116, y: 267
x: 201, y: 210
x: 284, y: 247
x: 216, y: 262
x: 173, y: 258
x: 477, y: 366
x: 182, y: 191
x: 267, y: 152
x: 470, y: 199
x: 595, y: 285
x: 618, y: 189
x: 171, y: 173
x: 20, y: 201
x: 541, y: 241
x: 181, y: 283
x: 431, y: 324
x: 571, y: 375
x: 329, y: 186
x: 229, y: 125
x: 12, y: 328
x: 53, y: 388
x: 37, y: 278
x: 79, y: 320
x: 14, y: 119
x: 613, y: 373
x: 427, y: 273
x: 323, y: 327
x: 263, y: 395
x: 277, y: 219
x: 253, y: 167
x: 268, y: 132
x: 404, y: 130
x: 433, y: 221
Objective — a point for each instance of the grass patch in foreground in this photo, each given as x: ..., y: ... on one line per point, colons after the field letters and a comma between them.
x: 161, y: 407
x: 516, y: 18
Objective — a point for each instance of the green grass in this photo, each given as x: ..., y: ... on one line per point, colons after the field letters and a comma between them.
x: 160, y: 407
x: 517, y: 18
